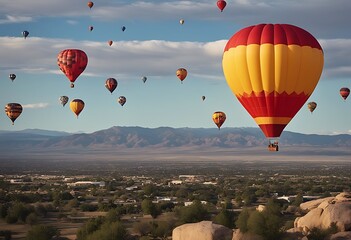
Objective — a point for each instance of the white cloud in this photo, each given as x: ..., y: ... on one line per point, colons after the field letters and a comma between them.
x: 153, y: 57
x: 15, y: 19
x: 35, y: 105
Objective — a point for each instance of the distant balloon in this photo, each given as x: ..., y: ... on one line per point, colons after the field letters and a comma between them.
x: 111, y: 84
x: 219, y: 118
x: 144, y: 79
x: 90, y: 4
x: 123, y: 28
x: 221, y: 4
x: 181, y: 74
x: 91, y: 28
x: 203, y: 98
x: 311, y: 106
x: 12, y: 76
x: 122, y: 100
x: 63, y: 100
x: 110, y: 42
x: 72, y: 63
x: 13, y: 110
x: 76, y: 105
x: 344, y: 92
x: 25, y: 34
x: 181, y: 21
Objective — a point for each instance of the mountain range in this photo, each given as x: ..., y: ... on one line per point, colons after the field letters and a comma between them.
x: 162, y: 137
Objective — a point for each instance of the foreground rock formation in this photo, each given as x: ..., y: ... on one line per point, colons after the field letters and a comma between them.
x: 205, y: 230
x: 322, y: 213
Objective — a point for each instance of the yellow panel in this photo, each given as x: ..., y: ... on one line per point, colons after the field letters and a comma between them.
x: 272, y: 120
x: 266, y: 61
x: 281, y: 67
x: 293, y: 68
x: 253, y: 52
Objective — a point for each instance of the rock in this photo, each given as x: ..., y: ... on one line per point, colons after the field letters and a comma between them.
x: 238, y: 235
x: 341, y: 236
x: 327, y: 211
x: 260, y: 208
x: 205, y: 230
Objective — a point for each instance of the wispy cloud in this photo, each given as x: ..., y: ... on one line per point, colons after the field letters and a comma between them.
x: 15, y: 19
x: 36, y: 105
x: 152, y: 57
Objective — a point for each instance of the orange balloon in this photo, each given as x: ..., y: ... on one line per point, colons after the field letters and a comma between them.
x: 181, y: 73
x: 76, y: 105
x: 90, y: 4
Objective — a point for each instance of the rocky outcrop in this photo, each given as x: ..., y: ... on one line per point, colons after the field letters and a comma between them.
x: 205, y: 230
x: 238, y: 235
x: 335, y: 210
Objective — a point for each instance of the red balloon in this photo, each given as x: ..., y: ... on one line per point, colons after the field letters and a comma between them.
x: 344, y: 92
x: 221, y: 4
x: 72, y: 63
x: 111, y: 84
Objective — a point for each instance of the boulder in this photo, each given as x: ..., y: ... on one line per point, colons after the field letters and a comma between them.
x: 327, y: 211
x: 341, y: 236
x: 205, y: 230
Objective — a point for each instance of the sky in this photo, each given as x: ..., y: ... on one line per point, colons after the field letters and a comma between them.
x: 155, y: 45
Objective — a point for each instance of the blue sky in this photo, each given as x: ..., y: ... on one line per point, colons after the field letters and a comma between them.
x: 155, y: 45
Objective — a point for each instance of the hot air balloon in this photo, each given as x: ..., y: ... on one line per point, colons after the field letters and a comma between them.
x: 13, y: 110
x: 181, y: 74
x: 110, y: 42
x: 219, y: 118
x: 122, y: 100
x: 111, y: 84
x: 72, y: 63
x: 91, y: 28
x: 76, y: 105
x: 63, y: 100
x: 90, y: 4
x: 272, y: 69
x: 123, y: 28
x: 221, y: 4
x: 311, y: 106
x: 144, y: 79
x: 344, y: 92
x: 203, y: 98
x: 12, y: 76
x: 25, y: 34
x: 181, y: 21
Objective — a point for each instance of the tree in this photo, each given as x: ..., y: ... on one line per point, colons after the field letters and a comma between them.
x: 196, y: 212
x: 148, y: 207
x: 225, y: 218
x: 32, y: 219
x: 241, y: 223
x: 110, y: 231
x: 41, y: 232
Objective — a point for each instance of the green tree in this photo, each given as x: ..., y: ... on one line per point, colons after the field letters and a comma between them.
x: 225, y: 218
x: 148, y: 207
x: 41, y: 232
x: 110, y: 231
x: 241, y: 222
x: 196, y: 212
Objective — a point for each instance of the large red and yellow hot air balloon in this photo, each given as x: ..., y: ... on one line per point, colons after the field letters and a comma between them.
x: 72, y: 63
x: 219, y: 118
x: 13, y: 110
x: 272, y: 69
x: 76, y: 105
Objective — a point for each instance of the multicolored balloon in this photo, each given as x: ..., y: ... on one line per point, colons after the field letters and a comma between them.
x: 13, y: 111
x: 91, y: 28
x: 181, y: 74
x: 111, y: 84
x: 203, y: 98
x: 123, y: 28
x: 110, y: 42
x: 72, y: 63
x: 311, y: 106
x: 219, y: 118
x: 181, y: 21
x: 122, y: 100
x: 77, y: 106
x: 344, y: 92
x: 144, y: 79
x: 63, y: 100
x: 272, y: 69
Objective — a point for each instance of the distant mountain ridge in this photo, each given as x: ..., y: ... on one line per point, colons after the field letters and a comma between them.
x: 162, y: 137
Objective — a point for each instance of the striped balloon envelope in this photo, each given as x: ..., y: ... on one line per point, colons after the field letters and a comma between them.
x: 272, y: 69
